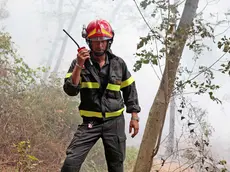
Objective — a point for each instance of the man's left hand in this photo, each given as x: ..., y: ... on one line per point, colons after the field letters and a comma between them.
x: 133, y: 125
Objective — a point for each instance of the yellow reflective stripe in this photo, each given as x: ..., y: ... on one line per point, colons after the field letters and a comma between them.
x: 92, y: 32
x: 127, y: 82
x: 112, y: 114
x: 89, y: 85
x: 68, y: 75
x: 113, y: 87
x: 90, y: 113
x: 107, y: 33
x: 99, y: 114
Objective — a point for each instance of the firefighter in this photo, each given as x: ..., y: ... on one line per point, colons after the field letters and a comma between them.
x: 106, y: 87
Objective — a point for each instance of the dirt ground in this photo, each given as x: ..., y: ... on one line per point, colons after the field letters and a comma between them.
x: 170, y: 167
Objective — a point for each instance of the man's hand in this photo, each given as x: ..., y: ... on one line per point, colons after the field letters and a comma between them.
x: 134, y: 125
x: 82, y: 55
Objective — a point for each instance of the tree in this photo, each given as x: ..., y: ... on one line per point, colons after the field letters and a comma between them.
x: 191, y: 31
x: 64, y: 43
x: 170, y: 145
x: 56, y: 39
x: 156, y: 118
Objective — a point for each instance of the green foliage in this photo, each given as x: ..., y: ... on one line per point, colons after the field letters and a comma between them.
x: 152, y: 55
x: 150, y: 52
x: 155, y: 47
x: 17, y: 74
x: 26, y: 162
x: 32, y: 110
x: 223, y: 163
x: 199, y: 31
x: 45, y: 116
x: 201, y: 86
x: 144, y: 41
x: 207, y: 85
x: 226, y: 68
x: 224, y: 45
x: 146, y: 3
x: 147, y: 57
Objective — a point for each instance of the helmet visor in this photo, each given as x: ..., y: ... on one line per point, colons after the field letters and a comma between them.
x: 99, y: 38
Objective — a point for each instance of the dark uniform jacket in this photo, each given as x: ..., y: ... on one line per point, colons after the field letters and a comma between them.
x: 104, y: 103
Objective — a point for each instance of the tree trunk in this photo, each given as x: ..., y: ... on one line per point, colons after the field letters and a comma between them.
x: 62, y: 50
x: 151, y: 138
x: 57, y: 37
x: 170, y: 145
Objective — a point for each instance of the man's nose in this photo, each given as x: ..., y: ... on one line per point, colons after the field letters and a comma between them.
x: 100, y: 43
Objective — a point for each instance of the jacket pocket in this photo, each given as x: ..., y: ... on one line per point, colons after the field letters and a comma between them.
x: 112, y: 94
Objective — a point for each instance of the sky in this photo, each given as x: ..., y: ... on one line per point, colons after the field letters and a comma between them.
x: 33, y: 25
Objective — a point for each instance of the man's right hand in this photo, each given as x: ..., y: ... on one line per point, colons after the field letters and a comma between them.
x: 82, y: 55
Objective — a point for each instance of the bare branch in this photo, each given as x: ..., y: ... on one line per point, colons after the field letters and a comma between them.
x: 202, y: 71
x: 153, y: 31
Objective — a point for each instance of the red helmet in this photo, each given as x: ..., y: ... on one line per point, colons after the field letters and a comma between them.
x: 98, y: 30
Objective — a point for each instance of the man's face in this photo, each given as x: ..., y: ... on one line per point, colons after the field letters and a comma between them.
x: 99, y: 46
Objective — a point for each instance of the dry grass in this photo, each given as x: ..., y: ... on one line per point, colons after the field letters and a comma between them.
x: 45, y: 117
x: 48, y: 119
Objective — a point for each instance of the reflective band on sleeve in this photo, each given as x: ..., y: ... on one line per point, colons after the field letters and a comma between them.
x: 68, y: 75
x: 113, y: 87
x: 99, y: 114
x: 127, y: 82
x: 89, y: 85
x: 112, y: 114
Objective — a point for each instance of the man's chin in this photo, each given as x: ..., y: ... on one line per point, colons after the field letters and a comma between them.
x: 99, y: 53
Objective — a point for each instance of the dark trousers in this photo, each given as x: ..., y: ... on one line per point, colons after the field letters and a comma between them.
x: 113, y: 136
